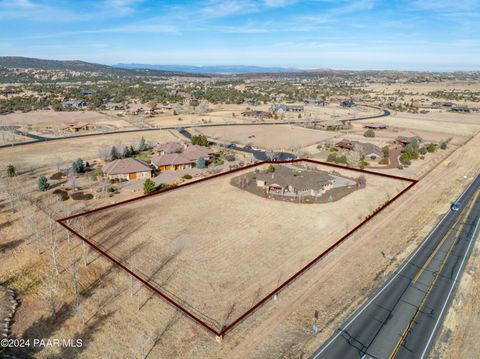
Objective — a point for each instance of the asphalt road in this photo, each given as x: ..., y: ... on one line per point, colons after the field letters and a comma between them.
x: 403, y: 317
x: 38, y: 139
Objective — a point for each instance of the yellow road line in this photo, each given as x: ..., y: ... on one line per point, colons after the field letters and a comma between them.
x: 424, y: 299
x: 419, y: 273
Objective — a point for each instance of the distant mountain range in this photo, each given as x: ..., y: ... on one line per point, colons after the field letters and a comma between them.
x: 216, y: 69
x: 81, y: 66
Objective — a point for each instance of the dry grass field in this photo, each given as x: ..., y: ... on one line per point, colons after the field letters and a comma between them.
x: 281, y: 137
x: 219, y: 249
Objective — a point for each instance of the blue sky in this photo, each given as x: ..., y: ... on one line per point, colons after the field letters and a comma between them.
x: 342, y: 34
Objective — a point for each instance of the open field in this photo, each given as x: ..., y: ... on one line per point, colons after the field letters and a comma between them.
x: 218, y: 263
x: 268, y: 137
x: 45, y: 153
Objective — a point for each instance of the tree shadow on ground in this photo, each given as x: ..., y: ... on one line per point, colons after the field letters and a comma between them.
x: 4, y: 247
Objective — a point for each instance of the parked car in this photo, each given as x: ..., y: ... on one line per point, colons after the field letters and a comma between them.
x: 231, y: 145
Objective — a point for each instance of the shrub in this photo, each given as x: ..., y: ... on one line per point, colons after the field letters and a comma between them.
x: 386, y: 151
x: 43, y: 184
x: 200, y: 162
x: 423, y: 151
x: 230, y: 158
x: 431, y: 147
x: 11, y: 171
x: 149, y: 186
x: 383, y: 161
x: 219, y: 162
x: 270, y: 169
x: 187, y: 176
x: 78, y: 166
x: 443, y: 145
x: 400, y: 167
x: 200, y: 140
x: 369, y: 133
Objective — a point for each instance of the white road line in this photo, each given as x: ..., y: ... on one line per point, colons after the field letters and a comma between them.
x: 392, y: 279
x: 460, y: 270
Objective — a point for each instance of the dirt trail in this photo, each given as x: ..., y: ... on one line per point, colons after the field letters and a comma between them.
x: 446, y: 172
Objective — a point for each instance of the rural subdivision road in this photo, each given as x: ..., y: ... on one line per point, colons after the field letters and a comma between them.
x: 40, y: 139
x: 403, y: 317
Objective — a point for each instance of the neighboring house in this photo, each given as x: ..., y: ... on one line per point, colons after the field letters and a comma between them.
x: 345, y: 145
x: 287, y: 181
x: 172, y: 162
x: 403, y: 140
x: 88, y: 92
x: 347, y: 103
x: 458, y: 108
x: 375, y: 126
x: 333, y: 125
x: 129, y: 169
x: 280, y: 107
x: 175, y: 156
x: 115, y: 106
x: 257, y: 114
x: 78, y: 127
x: 369, y: 150
x: 315, y: 101
x: 74, y: 103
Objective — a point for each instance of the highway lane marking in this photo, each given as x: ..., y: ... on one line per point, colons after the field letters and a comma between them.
x: 397, y: 273
x: 427, y: 262
x: 460, y: 270
x: 401, y: 340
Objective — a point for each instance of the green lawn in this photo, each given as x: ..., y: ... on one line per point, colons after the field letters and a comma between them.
x: 144, y: 156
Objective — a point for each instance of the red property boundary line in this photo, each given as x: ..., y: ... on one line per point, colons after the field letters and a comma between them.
x: 275, y: 291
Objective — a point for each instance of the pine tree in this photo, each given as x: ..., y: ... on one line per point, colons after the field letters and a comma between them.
x: 43, y: 184
x: 114, y: 155
x: 78, y: 166
x: 11, y: 171
x: 141, y: 144
x: 148, y: 186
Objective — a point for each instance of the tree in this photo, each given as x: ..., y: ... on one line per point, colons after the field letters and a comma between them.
x: 270, y: 169
x: 126, y: 152
x: 369, y: 133
x: 200, y: 162
x: 386, y: 151
x: 149, y: 186
x: 431, y: 147
x: 141, y: 144
x: 11, y: 171
x: 78, y: 166
x: 200, y: 140
x: 114, y: 155
x: 43, y: 184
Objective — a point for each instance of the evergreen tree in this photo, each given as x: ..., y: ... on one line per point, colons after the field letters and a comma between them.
x: 142, y: 145
x: 200, y: 162
x: 43, y: 184
x: 148, y: 186
x: 11, y: 171
x: 126, y: 152
x: 114, y: 155
x: 78, y: 166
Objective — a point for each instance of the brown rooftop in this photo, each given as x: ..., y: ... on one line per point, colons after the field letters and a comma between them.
x: 125, y: 166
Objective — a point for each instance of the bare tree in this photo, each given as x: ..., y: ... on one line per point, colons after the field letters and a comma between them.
x: 50, y: 291
x: 104, y: 152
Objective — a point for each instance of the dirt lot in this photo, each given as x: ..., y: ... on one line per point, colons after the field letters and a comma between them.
x: 220, y: 262
x: 281, y: 137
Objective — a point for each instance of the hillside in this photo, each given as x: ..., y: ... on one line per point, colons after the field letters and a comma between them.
x: 80, y: 66
x: 214, y: 69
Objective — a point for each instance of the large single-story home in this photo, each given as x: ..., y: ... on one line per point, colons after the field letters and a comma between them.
x: 280, y: 107
x: 287, y: 181
x: 369, y: 150
x: 257, y: 114
x: 78, y: 127
x: 403, y: 140
x: 177, y: 156
x: 129, y: 169
x: 375, y: 126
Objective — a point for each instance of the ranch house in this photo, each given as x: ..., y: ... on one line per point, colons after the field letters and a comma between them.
x: 128, y: 169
